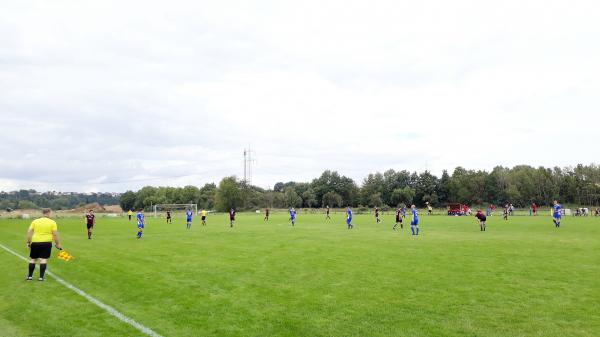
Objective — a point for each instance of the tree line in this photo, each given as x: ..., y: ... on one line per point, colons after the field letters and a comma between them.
x: 520, y: 185
x: 32, y: 199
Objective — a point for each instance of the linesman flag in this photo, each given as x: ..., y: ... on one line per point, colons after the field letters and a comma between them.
x: 64, y: 255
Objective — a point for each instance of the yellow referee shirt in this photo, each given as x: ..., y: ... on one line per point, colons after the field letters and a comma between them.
x: 203, y: 213
x: 42, y: 229
x: 130, y: 213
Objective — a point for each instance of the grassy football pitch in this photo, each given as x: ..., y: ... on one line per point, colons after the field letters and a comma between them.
x: 519, y: 278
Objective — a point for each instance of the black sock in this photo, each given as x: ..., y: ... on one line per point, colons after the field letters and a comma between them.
x: 31, y: 269
x: 42, y: 269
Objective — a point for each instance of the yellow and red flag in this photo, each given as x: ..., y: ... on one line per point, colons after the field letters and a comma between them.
x: 64, y: 255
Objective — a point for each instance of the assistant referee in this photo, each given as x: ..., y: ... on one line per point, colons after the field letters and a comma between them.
x: 40, y: 235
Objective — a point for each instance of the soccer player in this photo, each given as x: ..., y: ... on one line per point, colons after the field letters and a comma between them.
x: 140, y: 223
x: 40, y: 235
x: 90, y: 221
x: 169, y: 218
x: 429, y: 209
x: 414, y: 224
x: 398, y: 219
x: 349, y: 218
x: 505, y: 212
x: 557, y: 213
x: 482, y: 218
x: 327, y: 217
x: 203, y: 215
x: 188, y: 216
x: 129, y: 214
x: 293, y: 216
x: 231, y: 217
x: 404, y: 211
x: 266, y: 214
x: 534, y: 209
x: 377, y: 215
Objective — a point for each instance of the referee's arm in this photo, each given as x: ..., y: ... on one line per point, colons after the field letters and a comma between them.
x: 56, y: 239
x: 29, y: 237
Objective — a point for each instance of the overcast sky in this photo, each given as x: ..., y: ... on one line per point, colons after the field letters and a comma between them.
x: 115, y: 95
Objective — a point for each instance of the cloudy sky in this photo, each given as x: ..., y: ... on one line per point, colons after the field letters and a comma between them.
x: 115, y: 95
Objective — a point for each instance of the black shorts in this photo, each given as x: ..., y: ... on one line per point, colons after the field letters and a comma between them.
x: 89, y: 225
x: 40, y: 250
x: 203, y: 218
x: 398, y: 219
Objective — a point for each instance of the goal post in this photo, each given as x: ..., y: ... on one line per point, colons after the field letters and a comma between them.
x: 174, y: 207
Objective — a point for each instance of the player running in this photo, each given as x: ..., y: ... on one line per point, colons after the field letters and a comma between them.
x: 293, y: 216
x: 90, y: 221
x: 482, y: 218
x: 557, y: 213
x: 398, y: 219
x: 349, y: 218
x: 414, y: 224
x: 404, y: 211
x: 140, y: 223
x: 266, y: 214
x: 377, y: 215
x: 505, y: 212
x: 203, y: 217
x: 231, y: 217
x: 169, y: 218
x: 327, y: 212
x: 188, y: 217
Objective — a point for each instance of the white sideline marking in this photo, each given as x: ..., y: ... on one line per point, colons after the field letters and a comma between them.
x: 82, y: 293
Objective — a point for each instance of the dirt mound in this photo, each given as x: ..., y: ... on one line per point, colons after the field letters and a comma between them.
x: 95, y: 206
x: 113, y: 208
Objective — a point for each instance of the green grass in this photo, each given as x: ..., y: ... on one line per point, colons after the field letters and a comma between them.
x: 520, y: 278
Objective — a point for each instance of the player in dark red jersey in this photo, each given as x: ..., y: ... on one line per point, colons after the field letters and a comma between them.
x: 398, y: 219
x: 266, y: 214
x: 169, y: 218
x: 90, y: 221
x: 482, y: 218
x: 377, y: 215
x: 231, y: 217
x: 505, y: 212
x: 327, y: 217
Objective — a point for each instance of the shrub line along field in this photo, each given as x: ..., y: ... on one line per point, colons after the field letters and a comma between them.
x: 522, y: 277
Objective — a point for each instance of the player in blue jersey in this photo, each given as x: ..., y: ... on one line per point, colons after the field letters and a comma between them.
x: 188, y: 216
x: 293, y: 216
x: 404, y: 211
x: 556, y: 213
x: 349, y: 218
x: 140, y: 223
x: 414, y: 224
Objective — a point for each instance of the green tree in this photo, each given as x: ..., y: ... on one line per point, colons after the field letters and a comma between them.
x: 332, y: 199
x: 229, y: 195
x: 292, y: 199
x: 26, y: 204
x: 404, y: 195
x: 127, y: 200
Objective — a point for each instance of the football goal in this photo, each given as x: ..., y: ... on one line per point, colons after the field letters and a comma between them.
x: 163, y: 208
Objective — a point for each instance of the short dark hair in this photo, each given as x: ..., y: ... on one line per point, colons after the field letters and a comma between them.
x: 46, y: 211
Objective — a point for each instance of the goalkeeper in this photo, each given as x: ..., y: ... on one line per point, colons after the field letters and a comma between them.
x: 40, y: 235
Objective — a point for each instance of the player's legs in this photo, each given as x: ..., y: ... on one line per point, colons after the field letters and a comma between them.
x: 89, y: 231
x: 140, y: 232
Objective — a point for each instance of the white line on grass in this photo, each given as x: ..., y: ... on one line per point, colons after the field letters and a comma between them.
x: 82, y: 293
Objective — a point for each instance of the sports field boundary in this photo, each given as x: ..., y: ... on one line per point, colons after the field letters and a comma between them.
x: 112, y: 311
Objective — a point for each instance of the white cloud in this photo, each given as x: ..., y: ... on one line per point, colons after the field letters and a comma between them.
x: 116, y: 95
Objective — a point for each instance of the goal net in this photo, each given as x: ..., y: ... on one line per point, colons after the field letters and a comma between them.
x: 163, y: 208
